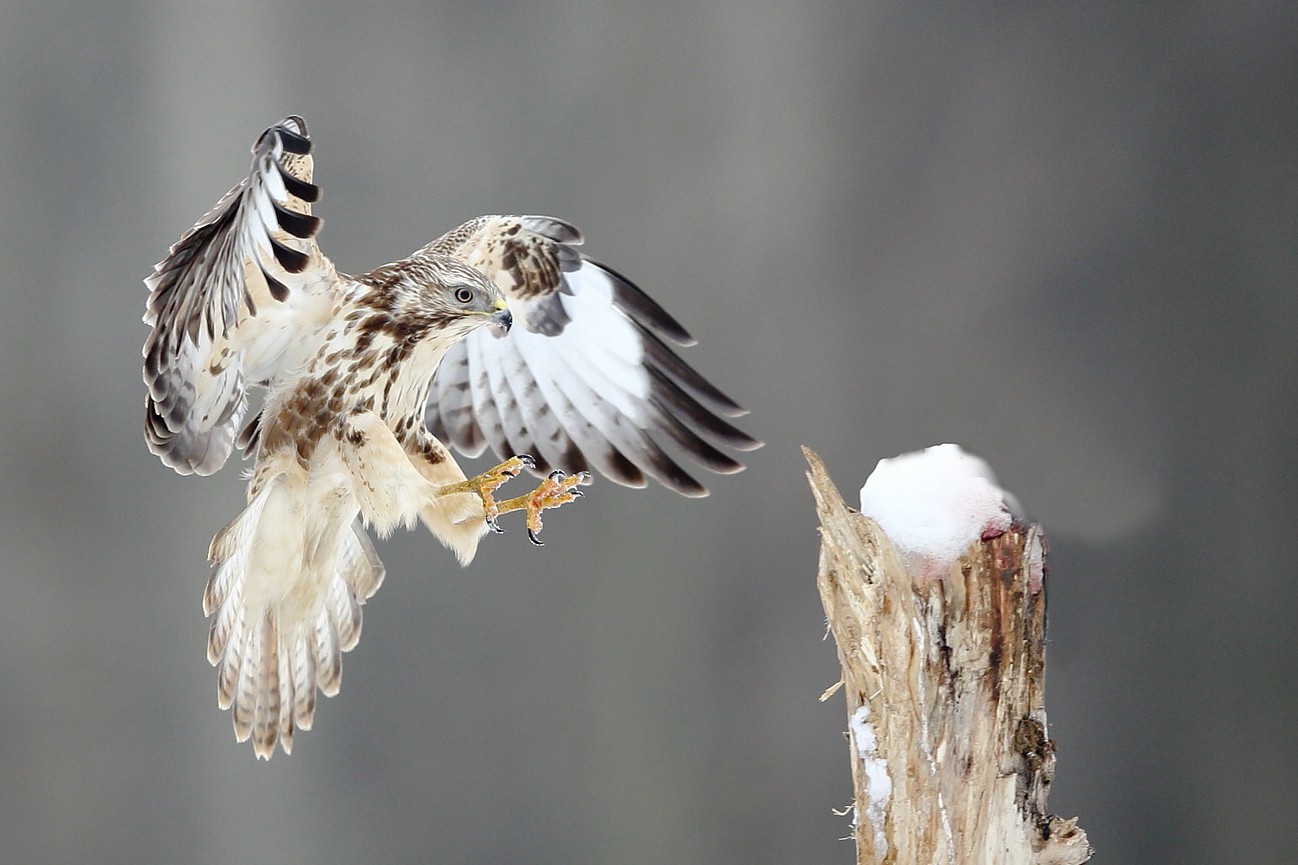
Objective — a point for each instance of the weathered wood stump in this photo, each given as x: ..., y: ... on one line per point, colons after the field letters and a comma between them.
x: 945, y: 684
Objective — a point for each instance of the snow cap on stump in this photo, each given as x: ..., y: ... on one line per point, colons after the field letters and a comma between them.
x: 933, y: 504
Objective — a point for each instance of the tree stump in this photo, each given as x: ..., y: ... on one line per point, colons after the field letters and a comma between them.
x: 945, y: 685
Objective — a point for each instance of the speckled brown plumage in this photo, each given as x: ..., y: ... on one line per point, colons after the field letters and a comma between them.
x: 365, y: 379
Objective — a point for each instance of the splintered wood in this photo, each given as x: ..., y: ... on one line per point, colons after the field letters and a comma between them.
x: 945, y: 685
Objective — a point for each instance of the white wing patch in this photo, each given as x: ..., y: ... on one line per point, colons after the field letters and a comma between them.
x: 585, y: 378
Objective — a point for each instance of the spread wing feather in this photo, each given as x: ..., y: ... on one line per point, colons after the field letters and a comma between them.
x: 227, y: 300
x: 589, y: 377
x: 452, y: 394
x: 586, y: 378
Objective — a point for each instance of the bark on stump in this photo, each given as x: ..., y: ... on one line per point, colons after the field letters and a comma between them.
x: 945, y: 685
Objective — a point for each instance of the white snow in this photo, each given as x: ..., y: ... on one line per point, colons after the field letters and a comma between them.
x: 933, y: 504
x: 878, y: 783
x: 1036, y: 562
x: 863, y: 732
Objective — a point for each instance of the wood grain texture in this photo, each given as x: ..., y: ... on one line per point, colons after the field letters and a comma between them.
x: 945, y: 686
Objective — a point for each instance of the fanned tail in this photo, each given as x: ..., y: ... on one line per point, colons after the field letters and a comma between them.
x: 276, y: 637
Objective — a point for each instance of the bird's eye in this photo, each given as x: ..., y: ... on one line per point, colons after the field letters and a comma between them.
x: 463, y: 294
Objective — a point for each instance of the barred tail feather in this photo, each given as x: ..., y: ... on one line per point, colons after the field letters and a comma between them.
x: 276, y: 639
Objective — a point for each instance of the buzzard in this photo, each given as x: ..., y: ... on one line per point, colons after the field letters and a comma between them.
x: 499, y: 333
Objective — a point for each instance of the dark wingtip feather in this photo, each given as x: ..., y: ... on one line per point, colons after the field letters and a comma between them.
x: 250, y: 435
x: 290, y: 259
x: 688, y: 487
x: 667, y: 471
x: 571, y: 461
x: 296, y: 186
x: 700, y: 450
x: 672, y: 399
x: 301, y: 225
x: 278, y: 290
x: 574, y: 461
x: 668, y: 362
x: 291, y: 141
x: 641, y: 307
x: 621, y: 470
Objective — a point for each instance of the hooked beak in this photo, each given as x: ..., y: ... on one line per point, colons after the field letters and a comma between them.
x: 501, y: 317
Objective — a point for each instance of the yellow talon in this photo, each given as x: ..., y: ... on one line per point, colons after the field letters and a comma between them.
x: 486, y: 483
x: 557, y: 489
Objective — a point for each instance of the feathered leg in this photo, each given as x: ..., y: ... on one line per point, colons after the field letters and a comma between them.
x: 285, y: 605
x: 393, y: 487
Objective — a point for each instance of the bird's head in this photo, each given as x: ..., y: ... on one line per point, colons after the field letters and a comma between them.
x: 448, y: 294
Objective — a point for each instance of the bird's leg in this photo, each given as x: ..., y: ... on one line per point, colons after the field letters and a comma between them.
x: 557, y: 489
x: 483, y: 485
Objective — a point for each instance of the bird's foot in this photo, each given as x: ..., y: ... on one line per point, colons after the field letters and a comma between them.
x: 557, y: 489
x: 483, y: 485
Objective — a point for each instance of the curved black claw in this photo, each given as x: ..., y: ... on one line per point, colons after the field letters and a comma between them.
x: 494, y: 526
x: 526, y: 459
x: 531, y: 536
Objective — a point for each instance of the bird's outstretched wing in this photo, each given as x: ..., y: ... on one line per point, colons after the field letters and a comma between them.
x: 586, y: 377
x: 228, y: 300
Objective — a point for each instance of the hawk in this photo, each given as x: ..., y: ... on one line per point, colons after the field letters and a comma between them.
x: 500, y: 333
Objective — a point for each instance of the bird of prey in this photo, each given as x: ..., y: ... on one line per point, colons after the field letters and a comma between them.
x: 367, y: 380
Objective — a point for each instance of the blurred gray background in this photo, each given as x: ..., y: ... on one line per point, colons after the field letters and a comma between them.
x: 1061, y: 235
